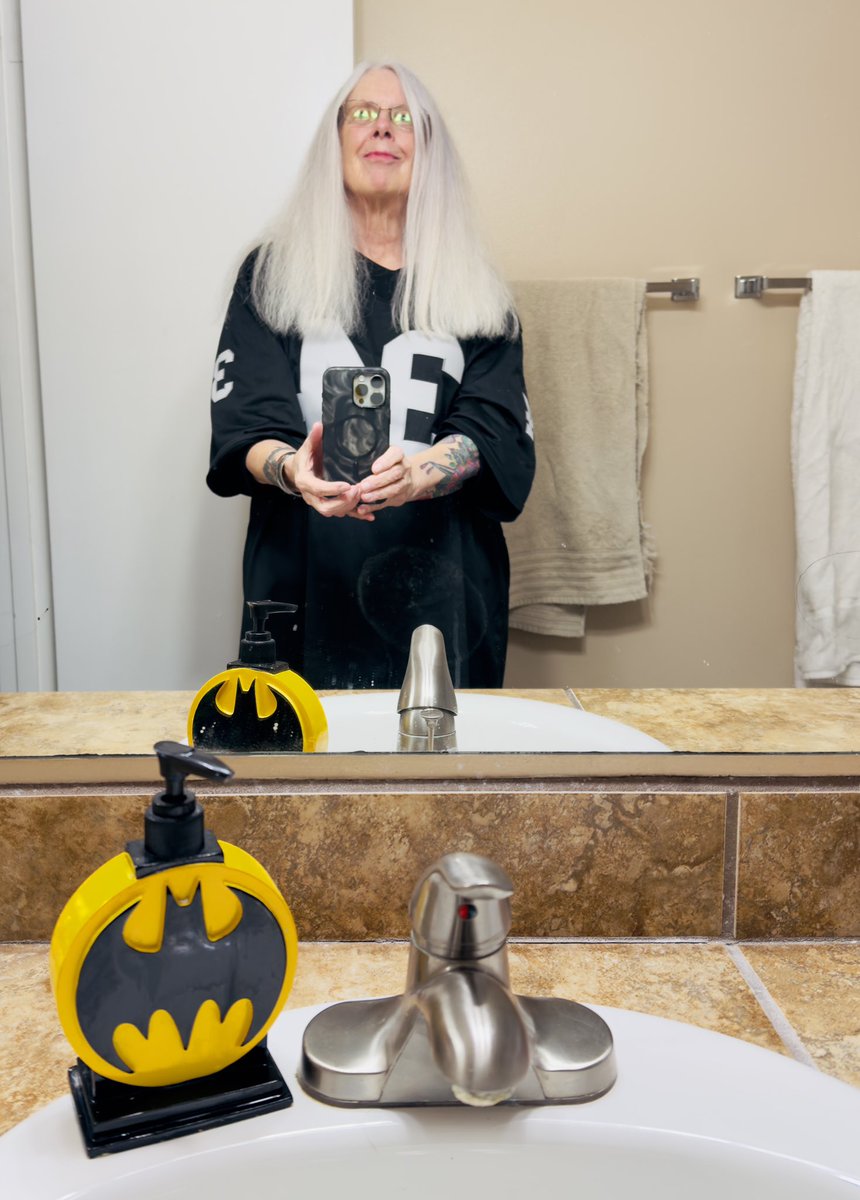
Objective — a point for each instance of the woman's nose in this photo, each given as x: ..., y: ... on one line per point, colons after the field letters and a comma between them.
x: 383, y: 123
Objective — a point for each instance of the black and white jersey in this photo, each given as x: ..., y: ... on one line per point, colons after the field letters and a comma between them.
x: 362, y: 587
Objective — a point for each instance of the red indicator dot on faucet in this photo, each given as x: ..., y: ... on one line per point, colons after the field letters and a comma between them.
x: 466, y: 911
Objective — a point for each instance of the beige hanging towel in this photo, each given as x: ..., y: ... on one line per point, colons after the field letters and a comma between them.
x: 581, y: 540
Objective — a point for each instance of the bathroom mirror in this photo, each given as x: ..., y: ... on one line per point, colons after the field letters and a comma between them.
x: 108, y: 737
x: 600, y: 140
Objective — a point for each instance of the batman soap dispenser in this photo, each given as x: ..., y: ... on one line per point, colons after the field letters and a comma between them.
x: 169, y: 964
x: 258, y: 705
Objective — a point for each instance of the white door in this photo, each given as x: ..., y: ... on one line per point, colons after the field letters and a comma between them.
x: 162, y: 136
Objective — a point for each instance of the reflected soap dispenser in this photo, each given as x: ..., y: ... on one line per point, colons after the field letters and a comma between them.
x: 258, y: 705
x: 169, y: 965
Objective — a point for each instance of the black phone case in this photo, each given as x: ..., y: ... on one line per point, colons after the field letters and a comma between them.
x: 352, y: 436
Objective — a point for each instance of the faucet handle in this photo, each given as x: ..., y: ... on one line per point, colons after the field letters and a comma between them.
x: 475, y: 877
x: 460, y: 907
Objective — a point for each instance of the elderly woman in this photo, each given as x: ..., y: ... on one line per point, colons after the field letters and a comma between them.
x: 375, y: 263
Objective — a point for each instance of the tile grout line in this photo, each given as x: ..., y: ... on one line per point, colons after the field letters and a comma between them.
x: 786, y: 1032
x: 731, y: 850
x: 530, y: 940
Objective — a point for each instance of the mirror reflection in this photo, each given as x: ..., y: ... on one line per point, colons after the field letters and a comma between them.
x: 599, y: 144
x: 374, y: 523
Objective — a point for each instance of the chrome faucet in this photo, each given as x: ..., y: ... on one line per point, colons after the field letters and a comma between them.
x: 427, y: 704
x: 458, y: 1034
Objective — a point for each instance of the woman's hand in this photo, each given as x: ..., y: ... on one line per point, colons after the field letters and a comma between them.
x: 299, y: 472
x: 391, y: 484
x: 397, y: 478
x: 303, y: 472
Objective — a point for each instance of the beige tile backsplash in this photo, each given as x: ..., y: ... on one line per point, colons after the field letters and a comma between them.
x: 640, y: 862
x: 799, y: 865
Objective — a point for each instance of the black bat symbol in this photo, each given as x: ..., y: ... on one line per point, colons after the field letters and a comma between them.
x: 119, y: 985
x: 243, y: 728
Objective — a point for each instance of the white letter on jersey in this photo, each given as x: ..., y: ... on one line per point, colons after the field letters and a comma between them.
x: 218, y: 393
x: 417, y: 394
x: 530, y: 425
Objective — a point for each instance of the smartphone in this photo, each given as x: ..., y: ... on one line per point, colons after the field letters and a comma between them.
x: 356, y: 415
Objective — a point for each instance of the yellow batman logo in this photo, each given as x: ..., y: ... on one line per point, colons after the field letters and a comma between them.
x: 174, y: 975
x: 222, y: 908
x: 267, y: 700
x: 245, y: 709
x: 159, y: 1057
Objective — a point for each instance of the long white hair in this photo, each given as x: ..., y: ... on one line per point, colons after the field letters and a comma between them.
x: 307, y: 277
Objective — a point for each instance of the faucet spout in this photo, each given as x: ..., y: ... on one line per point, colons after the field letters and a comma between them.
x: 427, y: 703
x: 479, y: 1037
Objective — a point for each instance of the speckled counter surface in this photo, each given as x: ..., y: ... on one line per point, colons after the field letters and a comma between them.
x: 700, y: 720
x: 801, y: 999
x: 736, y: 720
x: 107, y: 723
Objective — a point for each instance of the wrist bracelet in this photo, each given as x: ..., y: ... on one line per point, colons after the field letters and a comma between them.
x: 283, y: 483
x: 273, y: 469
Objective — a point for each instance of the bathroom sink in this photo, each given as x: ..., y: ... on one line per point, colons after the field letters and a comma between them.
x: 369, y: 721
x: 693, y: 1114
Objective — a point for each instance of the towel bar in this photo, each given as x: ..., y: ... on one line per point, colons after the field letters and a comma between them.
x: 681, y: 289
x: 749, y: 287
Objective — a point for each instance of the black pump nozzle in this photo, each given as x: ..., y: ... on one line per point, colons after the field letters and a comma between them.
x: 173, y: 826
x: 257, y: 648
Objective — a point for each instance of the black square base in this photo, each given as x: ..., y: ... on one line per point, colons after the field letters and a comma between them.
x: 116, y: 1116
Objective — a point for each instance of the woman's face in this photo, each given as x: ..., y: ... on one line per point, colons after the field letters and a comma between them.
x: 377, y: 155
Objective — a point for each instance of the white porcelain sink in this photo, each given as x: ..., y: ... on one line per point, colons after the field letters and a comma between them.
x: 693, y: 1116
x: 369, y: 721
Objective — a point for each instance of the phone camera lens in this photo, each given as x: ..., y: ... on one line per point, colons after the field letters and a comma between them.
x: 361, y: 389
x: 376, y: 382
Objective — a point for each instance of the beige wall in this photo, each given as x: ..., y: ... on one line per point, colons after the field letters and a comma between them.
x: 673, y: 137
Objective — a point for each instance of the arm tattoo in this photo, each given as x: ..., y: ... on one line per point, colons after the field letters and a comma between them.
x: 273, y: 468
x: 463, y: 461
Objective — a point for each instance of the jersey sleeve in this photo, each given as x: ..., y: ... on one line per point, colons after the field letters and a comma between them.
x: 492, y: 409
x: 254, y: 394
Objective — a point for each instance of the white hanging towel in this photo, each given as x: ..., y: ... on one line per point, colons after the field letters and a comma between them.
x: 825, y: 460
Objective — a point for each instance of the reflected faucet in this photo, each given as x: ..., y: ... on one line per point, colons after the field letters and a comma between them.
x: 427, y: 704
x: 458, y: 1034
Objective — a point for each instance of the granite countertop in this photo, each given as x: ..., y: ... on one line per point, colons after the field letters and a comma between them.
x: 796, y: 998
x: 737, y: 720
x: 688, y: 720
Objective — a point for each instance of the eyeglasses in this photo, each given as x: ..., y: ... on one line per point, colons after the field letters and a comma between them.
x: 365, y: 112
